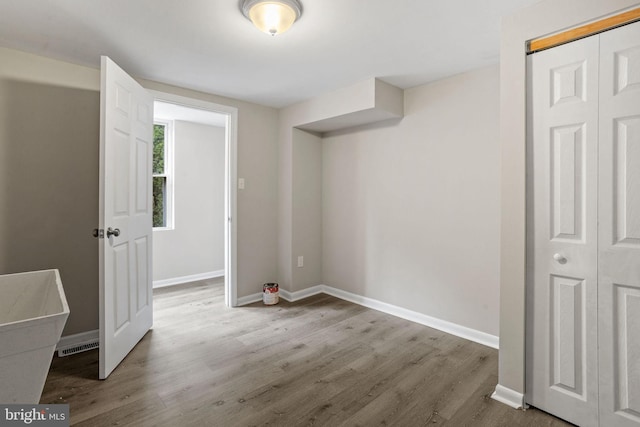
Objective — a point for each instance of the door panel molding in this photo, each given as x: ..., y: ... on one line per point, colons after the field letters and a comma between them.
x: 561, y: 315
x: 593, y: 297
x: 619, y: 231
x: 126, y: 111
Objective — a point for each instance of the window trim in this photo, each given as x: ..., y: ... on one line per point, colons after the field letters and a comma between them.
x: 169, y: 138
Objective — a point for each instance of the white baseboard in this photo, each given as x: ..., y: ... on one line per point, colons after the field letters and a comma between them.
x: 433, y: 322
x: 186, y: 279
x: 249, y: 299
x: 77, y: 340
x: 509, y: 397
x: 305, y: 293
x: 413, y: 316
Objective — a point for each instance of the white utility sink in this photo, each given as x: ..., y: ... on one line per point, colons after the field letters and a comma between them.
x: 33, y: 312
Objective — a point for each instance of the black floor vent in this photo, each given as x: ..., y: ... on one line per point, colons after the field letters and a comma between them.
x: 78, y: 348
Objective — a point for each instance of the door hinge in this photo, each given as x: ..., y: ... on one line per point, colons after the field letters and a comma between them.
x: 98, y: 233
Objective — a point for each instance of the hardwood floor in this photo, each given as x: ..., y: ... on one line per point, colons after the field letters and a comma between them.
x: 321, y: 362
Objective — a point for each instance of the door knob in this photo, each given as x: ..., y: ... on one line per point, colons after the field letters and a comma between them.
x: 113, y: 232
x: 560, y: 258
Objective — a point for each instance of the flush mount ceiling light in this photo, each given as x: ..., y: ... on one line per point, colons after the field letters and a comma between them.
x: 272, y: 16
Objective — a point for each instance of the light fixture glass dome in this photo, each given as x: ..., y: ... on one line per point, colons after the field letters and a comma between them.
x: 272, y: 16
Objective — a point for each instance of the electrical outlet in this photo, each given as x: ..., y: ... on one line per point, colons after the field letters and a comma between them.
x: 241, y: 184
x: 300, y: 261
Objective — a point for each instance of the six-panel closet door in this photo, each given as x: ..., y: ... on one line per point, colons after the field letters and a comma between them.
x: 562, y: 235
x: 583, y: 230
x: 619, y: 230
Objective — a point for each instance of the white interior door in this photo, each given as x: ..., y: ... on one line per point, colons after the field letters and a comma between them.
x: 619, y: 214
x: 126, y: 125
x: 562, y: 363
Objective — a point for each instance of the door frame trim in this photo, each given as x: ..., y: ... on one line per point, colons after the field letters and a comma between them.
x: 230, y: 184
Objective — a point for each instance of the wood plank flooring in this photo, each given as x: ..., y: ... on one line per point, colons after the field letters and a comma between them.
x: 317, y: 362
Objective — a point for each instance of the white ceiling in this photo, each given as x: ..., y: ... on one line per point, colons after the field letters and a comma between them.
x: 208, y: 45
x: 168, y: 111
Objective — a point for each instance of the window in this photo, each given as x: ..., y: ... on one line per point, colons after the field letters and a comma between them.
x: 162, y: 188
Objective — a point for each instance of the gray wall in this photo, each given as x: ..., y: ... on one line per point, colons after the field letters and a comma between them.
x: 307, y: 209
x: 411, y: 208
x: 300, y: 169
x: 196, y: 243
x: 49, y: 139
x: 49, y: 133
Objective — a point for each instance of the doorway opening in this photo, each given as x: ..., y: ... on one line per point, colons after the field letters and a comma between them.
x: 194, y: 170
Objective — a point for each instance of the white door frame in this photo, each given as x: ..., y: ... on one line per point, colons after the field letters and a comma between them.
x: 230, y: 184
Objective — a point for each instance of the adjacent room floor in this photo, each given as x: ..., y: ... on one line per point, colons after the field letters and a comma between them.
x: 320, y: 361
